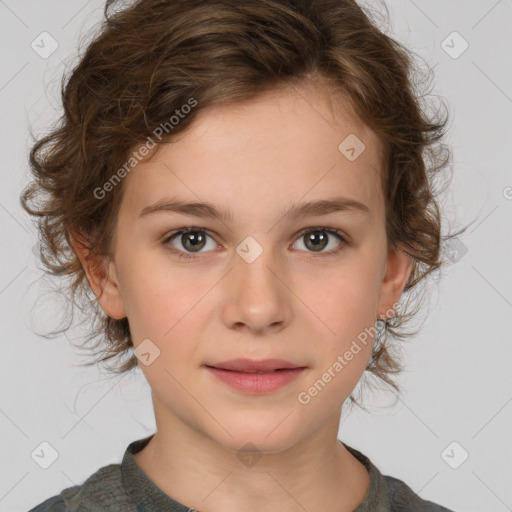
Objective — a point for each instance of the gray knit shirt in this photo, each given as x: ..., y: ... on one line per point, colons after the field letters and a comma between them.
x: 126, y: 488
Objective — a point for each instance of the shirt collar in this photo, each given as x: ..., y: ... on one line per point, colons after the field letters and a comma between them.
x: 143, y: 492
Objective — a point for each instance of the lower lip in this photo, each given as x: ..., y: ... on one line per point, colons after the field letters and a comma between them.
x: 256, y: 382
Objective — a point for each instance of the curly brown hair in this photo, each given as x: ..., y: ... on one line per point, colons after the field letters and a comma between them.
x: 151, y: 57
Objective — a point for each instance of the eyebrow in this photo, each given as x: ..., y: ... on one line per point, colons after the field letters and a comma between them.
x: 297, y: 210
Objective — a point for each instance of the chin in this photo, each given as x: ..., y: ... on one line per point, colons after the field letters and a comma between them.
x: 258, y: 441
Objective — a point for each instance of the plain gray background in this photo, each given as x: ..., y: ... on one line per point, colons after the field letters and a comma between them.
x: 458, y: 384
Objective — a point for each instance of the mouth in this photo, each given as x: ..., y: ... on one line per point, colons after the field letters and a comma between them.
x: 252, y: 377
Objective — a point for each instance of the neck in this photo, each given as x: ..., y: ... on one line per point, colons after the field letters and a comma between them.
x: 314, y: 472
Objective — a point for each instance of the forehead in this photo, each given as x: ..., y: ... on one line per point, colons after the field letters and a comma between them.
x: 283, y: 146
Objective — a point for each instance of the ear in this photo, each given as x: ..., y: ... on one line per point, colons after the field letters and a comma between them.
x: 102, y: 277
x: 397, y: 271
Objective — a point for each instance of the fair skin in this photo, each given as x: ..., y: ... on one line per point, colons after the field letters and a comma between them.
x: 255, y: 159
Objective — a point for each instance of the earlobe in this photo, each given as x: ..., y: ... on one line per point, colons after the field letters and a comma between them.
x: 102, y: 278
x: 398, y: 269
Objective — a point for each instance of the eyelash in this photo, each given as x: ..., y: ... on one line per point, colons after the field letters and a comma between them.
x: 190, y: 256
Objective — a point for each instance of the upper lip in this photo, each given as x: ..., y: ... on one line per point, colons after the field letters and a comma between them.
x: 252, y: 365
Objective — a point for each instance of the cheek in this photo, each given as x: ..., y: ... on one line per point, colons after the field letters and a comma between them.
x: 343, y: 348
x: 345, y: 301
x: 156, y: 300
x: 346, y: 306
x: 169, y: 309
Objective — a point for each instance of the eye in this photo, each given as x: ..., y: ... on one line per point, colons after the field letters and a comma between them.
x: 318, y: 238
x: 192, y: 239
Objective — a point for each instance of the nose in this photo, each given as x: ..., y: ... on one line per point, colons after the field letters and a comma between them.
x: 257, y: 298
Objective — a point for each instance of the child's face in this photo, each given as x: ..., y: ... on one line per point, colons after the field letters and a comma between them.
x: 291, y: 302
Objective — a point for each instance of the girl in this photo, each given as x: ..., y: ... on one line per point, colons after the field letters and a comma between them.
x: 244, y: 187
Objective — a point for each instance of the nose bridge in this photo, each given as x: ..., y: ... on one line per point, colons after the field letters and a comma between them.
x: 257, y: 277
